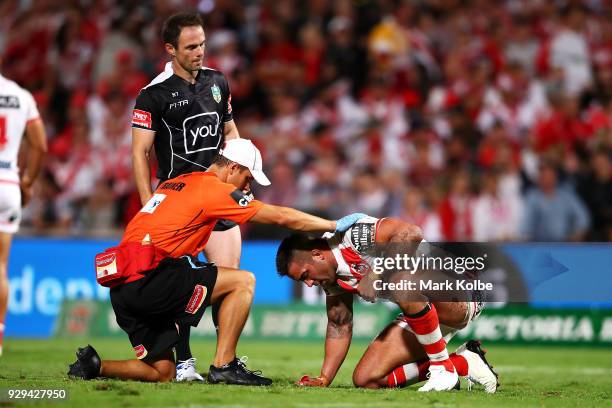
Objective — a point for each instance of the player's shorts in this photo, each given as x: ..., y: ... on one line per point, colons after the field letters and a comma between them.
x: 224, y: 225
x: 177, y: 291
x: 10, y: 206
x: 474, y: 308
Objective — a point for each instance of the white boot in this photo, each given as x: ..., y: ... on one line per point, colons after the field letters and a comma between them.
x: 185, y: 371
x: 479, y: 370
x: 440, y: 379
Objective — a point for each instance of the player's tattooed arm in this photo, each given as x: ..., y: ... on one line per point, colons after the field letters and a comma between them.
x: 397, y: 231
x: 339, y: 315
x: 339, y: 334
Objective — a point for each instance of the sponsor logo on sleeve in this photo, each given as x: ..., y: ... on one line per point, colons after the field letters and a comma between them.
x: 9, y: 101
x: 153, y: 203
x: 197, y: 299
x: 141, y: 118
x: 216, y: 93
x: 362, y: 236
x: 241, y: 198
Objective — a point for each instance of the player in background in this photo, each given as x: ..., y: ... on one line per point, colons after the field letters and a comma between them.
x: 173, y: 286
x: 18, y: 116
x: 186, y: 114
x: 410, y: 349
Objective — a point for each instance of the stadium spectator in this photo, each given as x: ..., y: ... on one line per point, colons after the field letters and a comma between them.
x: 415, y: 211
x: 553, y: 212
x: 596, y: 191
x: 495, y: 217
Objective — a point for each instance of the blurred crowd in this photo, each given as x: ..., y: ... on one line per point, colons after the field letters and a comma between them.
x: 475, y: 119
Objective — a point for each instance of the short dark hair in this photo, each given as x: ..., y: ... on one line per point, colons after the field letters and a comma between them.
x: 223, y: 161
x: 289, y: 246
x: 173, y: 25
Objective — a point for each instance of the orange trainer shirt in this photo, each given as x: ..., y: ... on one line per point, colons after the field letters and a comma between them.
x: 184, y: 210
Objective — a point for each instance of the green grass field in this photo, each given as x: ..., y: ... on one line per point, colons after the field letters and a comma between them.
x: 530, y: 377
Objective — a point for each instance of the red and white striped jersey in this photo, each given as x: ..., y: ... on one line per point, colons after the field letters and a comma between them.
x: 17, y: 108
x: 350, y: 251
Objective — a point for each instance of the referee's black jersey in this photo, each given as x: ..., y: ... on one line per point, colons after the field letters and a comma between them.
x: 188, y: 119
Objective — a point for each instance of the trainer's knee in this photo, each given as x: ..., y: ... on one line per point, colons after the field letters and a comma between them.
x: 164, y: 367
x: 166, y: 372
x: 248, y: 281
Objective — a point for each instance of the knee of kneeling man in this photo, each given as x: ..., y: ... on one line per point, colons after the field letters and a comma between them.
x: 361, y: 380
x: 248, y: 280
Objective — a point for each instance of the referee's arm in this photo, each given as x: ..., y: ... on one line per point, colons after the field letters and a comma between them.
x: 230, y: 130
x: 142, y: 142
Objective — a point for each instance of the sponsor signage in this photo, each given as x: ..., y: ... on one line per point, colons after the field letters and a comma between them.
x: 509, y: 325
x: 44, y: 272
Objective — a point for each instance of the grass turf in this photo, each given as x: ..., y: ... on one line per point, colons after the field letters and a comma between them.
x: 530, y: 377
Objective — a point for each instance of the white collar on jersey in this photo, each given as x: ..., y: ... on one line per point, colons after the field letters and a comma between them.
x: 168, y: 67
x: 334, y: 240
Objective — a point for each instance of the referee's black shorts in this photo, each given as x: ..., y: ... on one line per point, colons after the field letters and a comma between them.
x: 177, y: 291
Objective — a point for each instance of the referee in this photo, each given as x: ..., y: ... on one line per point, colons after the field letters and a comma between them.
x: 186, y: 113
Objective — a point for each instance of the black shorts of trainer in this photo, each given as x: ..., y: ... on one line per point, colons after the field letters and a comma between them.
x: 177, y: 291
x: 224, y: 225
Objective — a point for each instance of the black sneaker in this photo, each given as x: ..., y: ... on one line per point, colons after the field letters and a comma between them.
x: 236, y: 373
x: 87, y: 365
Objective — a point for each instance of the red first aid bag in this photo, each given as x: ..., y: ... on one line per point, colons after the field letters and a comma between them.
x: 115, y: 265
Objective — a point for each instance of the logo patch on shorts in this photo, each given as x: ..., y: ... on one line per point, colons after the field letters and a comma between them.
x: 106, y: 265
x: 141, y: 351
x: 141, y: 118
x: 197, y: 298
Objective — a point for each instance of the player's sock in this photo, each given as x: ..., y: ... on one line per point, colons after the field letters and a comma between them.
x: 460, y: 363
x: 408, y: 374
x: 426, y: 327
x: 183, y: 352
x: 413, y: 373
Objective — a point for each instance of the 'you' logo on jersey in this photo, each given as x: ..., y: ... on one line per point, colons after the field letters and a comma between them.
x: 201, y: 132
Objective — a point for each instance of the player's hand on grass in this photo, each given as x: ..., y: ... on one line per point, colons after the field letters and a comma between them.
x: 308, y: 381
x: 348, y: 221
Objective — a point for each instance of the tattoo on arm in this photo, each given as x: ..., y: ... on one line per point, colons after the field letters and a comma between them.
x: 340, y: 317
x: 410, y: 233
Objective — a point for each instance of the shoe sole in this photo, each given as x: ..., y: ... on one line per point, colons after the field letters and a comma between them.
x: 232, y: 383
x: 474, y: 347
